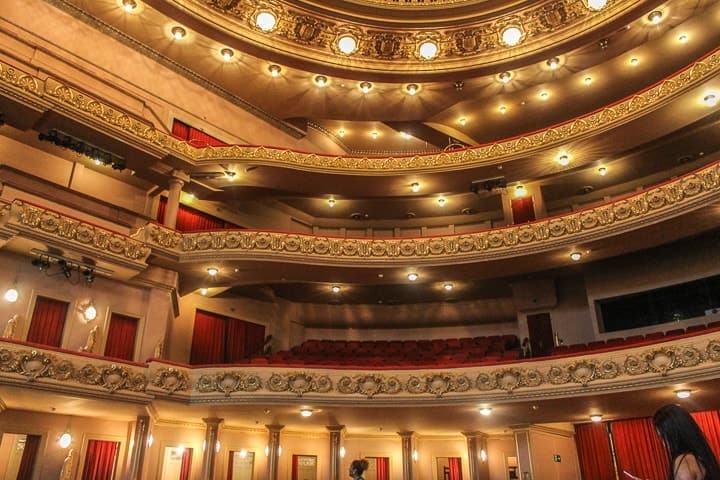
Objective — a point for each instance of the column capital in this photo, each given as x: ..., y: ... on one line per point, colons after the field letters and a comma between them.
x: 406, y: 434
x: 213, y: 421
x: 274, y: 428
x: 335, y: 428
x: 179, y: 175
x: 476, y: 434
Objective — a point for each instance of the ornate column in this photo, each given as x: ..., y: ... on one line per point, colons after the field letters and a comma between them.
x: 273, y: 450
x: 477, y: 455
x: 212, y: 425
x: 179, y: 178
x: 335, y: 437
x: 407, y: 454
x: 140, y: 439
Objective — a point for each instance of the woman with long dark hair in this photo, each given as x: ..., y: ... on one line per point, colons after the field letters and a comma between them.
x: 690, y: 455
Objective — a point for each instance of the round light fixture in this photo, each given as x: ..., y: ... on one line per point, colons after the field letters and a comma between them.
x: 563, y: 159
x: 553, y: 63
x: 602, y: 171
x: 274, y: 70
x: 511, y: 35
x: 683, y: 393
x: 485, y: 411
x: 448, y: 287
x: 129, y: 5
x: 365, y: 87
x: 710, y: 99
x: 505, y: 77
x: 341, y: 133
x: 441, y: 201
x: 212, y: 271
x: 11, y: 295
x: 428, y: 50
x: 65, y: 440
x: 415, y: 187
x: 520, y: 191
x: 544, y: 95
x: 335, y: 288
x: 462, y: 121
x: 90, y: 312
x: 683, y: 38
x: 178, y: 32
x: 265, y: 21
x: 412, y: 276
x: 596, y: 4
x: 347, y: 44
x: 412, y: 88
x: 502, y: 109
x: 203, y: 291
x: 634, y: 61
x: 227, y: 54
x: 575, y: 256
x: 655, y: 17
x: 321, y: 80
x: 596, y: 418
x: 331, y: 202
x: 306, y: 412
x: 587, y: 80
x: 374, y: 134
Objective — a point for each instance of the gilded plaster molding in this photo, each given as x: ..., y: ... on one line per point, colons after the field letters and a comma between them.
x: 299, y: 383
x: 30, y: 218
x: 171, y: 380
x: 228, y: 382
x: 650, y: 206
x: 68, y: 99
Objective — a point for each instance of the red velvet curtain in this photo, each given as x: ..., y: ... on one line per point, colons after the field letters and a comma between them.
x: 235, y: 341
x: 191, y: 220
x: 186, y: 464
x: 709, y: 423
x: 208, y: 341
x: 638, y: 449
x: 383, y: 468
x: 455, y: 468
x: 593, y: 447
x: 121, y: 337
x: 193, y: 135
x: 522, y: 209
x: 27, y: 462
x: 100, y: 460
x: 180, y: 130
x: 48, y: 321
x: 295, y: 461
x: 162, y: 208
x: 254, y: 339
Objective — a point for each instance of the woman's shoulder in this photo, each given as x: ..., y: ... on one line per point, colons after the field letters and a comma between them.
x: 688, y: 468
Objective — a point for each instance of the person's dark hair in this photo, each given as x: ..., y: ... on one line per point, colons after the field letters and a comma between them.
x: 681, y: 435
x: 357, y: 467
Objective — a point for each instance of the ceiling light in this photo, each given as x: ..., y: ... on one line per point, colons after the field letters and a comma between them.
x: 448, y: 287
x: 602, y: 171
x: 596, y: 4
x: 227, y: 54
x: 321, y: 80
x: 412, y: 89
x: 365, y: 87
x: 683, y: 38
x: 374, y: 134
x: 203, y: 291
x: 553, y: 63
x: 520, y: 191
x: 405, y: 135
x: 415, y: 187
x: 335, y: 289
x: 587, y: 80
x: 428, y: 50
x: 178, y: 32
x: 710, y: 99
x: 265, y: 21
x: 212, y: 271
x: 129, y: 5
x: 563, y: 159
x: 544, y: 95
x: 90, y: 312
x: 463, y: 121
x: 441, y: 201
x: 511, y: 36
x: 485, y: 411
x: 655, y: 17
x: 502, y: 109
x: 412, y: 276
x: 575, y: 256
x: 274, y: 70
x: 347, y: 44
x: 230, y: 175
x: 683, y: 393
x: 341, y: 133
x: 65, y: 440
x: 505, y: 77
x: 634, y: 61
x: 331, y: 202
x: 11, y: 295
x: 596, y: 418
x: 306, y: 412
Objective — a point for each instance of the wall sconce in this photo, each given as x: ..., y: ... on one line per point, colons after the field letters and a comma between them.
x: 180, y: 449
x: 217, y: 446
x: 483, y: 455
x: 415, y: 455
x: 65, y: 440
x: 342, y: 452
x: 243, y: 453
x: 89, y: 311
x: 267, y: 450
x: 11, y: 294
x: 279, y: 450
x: 150, y: 440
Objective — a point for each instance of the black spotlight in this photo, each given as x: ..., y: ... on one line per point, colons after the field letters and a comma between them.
x: 64, y: 268
x: 89, y: 275
x: 41, y: 263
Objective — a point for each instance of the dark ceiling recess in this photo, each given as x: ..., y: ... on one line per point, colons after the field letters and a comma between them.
x: 488, y: 184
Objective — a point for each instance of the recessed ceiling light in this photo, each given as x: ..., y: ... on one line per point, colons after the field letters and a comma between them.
x: 203, y: 291
x: 587, y: 80
x: 441, y: 201
x: 412, y: 88
x: 129, y: 5
x: 596, y: 4
x: 602, y: 171
x: 415, y: 187
x: 505, y: 77
x: 227, y: 54
x: 575, y: 256
x: 634, y: 61
x: 365, y: 87
x: 306, y: 412
x: 683, y: 38
x: 448, y: 287
x: 412, y: 276
x: 710, y: 99
x: 485, y: 411
x: 265, y: 21
x: 178, y: 32
x: 321, y: 80
x: 212, y: 271
x: 511, y: 35
x: 502, y: 109
x: 683, y: 393
x: 230, y: 175
x: 596, y: 418
x: 428, y: 50
x: 331, y: 202
x: 544, y: 95
x: 335, y: 288
x: 274, y: 70
x: 405, y: 135
x: 563, y: 159
x: 341, y: 133
x: 462, y: 121
x: 553, y: 63
x: 520, y: 191
x: 655, y: 17
x: 347, y: 44
x: 374, y: 134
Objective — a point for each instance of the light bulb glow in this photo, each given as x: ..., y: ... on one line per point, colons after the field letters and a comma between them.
x: 65, y: 440
x: 683, y: 38
x: 511, y: 36
x: 267, y: 451
x: 448, y: 287
x: 347, y: 44
x: 365, y: 87
x: 90, y: 312
x: 212, y: 271
x: 575, y: 256
x: 502, y: 109
x: 415, y: 187
x: 553, y: 63
x: 710, y: 99
x: 412, y: 89
x: 342, y: 452
x: 485, y: 411
x: 335, y: 289
x: 683, y: 394
x: 374, y: 135
x: 243, y: 453
x: 655, y: 17
x: 505, y: 77
x: 587, y: 80
x: 321, y: 80
x: 520, y: 191
x: 596, y: 4
x: 274, y: 70
x: 178, y: 33
x: 307, y: 412
x: 428, y: 50
x: 602, y: 171
x: 180, y: 449
x: 279, y: 450
x: 129, y: 5
x: 341, y: 133
x: 483, y: 455
x: 217, y: 446
x: 415, y: 455
x: 203, y: 291
x: 441, y: 201
x: 596, y: 418
x: 227, y: 54
x: 563, y: 159
x: 150, y: 440
x: 331, y: 202
x: 544, y: 95
x: 265, y: 21
x: 412, y: 276
x: 11, y: 295
x: 634, y: 61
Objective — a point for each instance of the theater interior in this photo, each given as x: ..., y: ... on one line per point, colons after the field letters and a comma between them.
x: 258, y: 240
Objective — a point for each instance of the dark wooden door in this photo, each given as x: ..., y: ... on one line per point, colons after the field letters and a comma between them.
x: 541, y: 334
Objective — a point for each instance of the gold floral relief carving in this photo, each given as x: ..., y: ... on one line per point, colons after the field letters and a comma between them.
x: 112, y: 378
x: 438, y: 384
x: 369, y: 385
x: 228, y: 382
x: 299, y: 383
x: 509, y: 379
x: 171, y: 380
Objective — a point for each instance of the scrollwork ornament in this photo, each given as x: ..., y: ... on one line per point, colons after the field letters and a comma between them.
x: 438, y: 384
x: 369, y: 385
x: 712, y: 351
x: 558, y: 376
x: 635, y: 365
x: 689, y: 357
x: 171, y: 380
x: 486, y: 382
x: 8, y: 361
x: 299, y: 383
x: 662, y: 360
x: 34, y: 365
x: 228, y: 382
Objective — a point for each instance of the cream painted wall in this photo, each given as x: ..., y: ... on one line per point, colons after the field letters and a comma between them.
x: 430, y: 448
x: 172, y: 435
x: 543, y: 446
x: 499, y: 449
x: 237, y: 439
